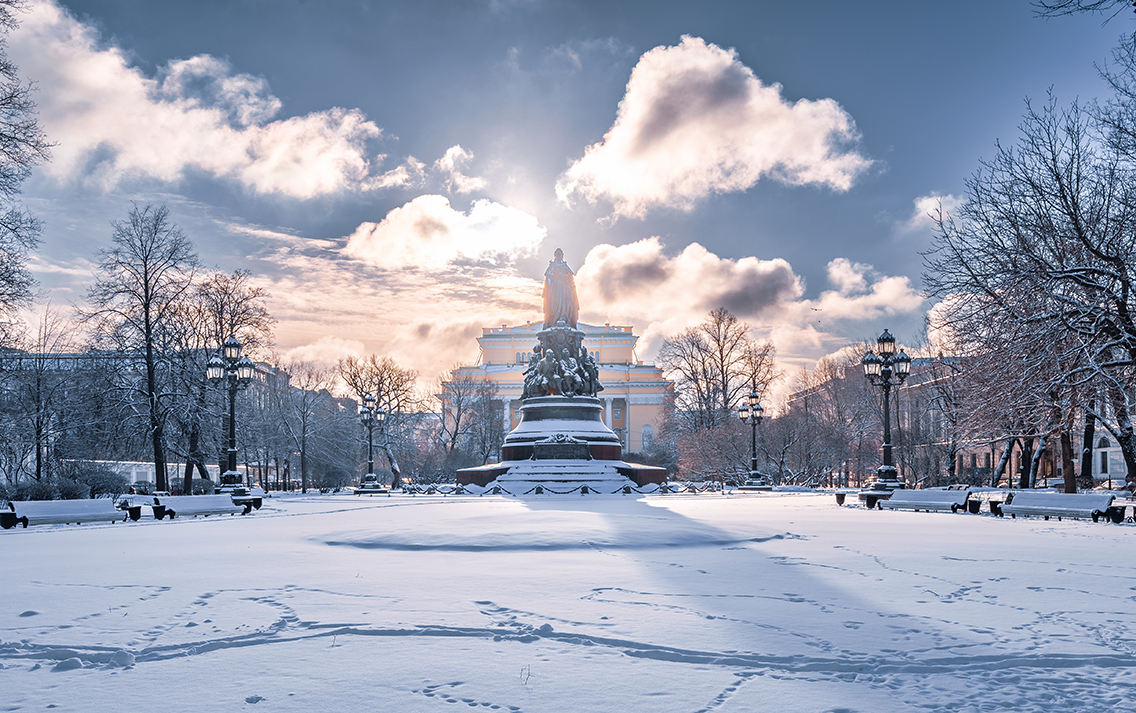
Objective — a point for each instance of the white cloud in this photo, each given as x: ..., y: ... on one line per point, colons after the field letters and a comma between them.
x: 640, y: 281
x: 694, y: 120
x: 451, y: 164
x: 113, y: 122
x: 326, y: 351
x: 927, y: 207
x: 661, y: 295
x: 428, y: 233
x: 861, y: 294
x: 428, y: 318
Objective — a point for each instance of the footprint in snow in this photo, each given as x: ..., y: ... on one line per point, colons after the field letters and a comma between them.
x: 255, y: 699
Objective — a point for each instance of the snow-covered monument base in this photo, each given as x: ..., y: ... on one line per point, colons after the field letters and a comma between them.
x: 561, y: 445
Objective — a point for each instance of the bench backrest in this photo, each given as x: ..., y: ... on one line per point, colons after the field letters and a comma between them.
x: 52, y: 508
x: 199, y: 503
x: 930, y: 496
x: 1075, y: 501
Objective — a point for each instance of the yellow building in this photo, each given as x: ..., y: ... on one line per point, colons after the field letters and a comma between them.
x: 633, y: 393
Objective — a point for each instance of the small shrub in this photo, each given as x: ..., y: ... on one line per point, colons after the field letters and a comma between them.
x: 34, y: 490
x: 72, y: 489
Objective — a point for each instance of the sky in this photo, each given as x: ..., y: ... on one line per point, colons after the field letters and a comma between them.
x: 397, y: 174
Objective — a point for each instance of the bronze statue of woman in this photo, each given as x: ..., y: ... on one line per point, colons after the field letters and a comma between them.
x: 560, y: 302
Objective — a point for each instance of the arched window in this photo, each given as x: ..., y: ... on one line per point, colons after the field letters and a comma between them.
x: 1104, y: 443
x: 648, y: 436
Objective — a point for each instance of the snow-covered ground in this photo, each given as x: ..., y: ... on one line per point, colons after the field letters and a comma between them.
x: 755, y: 602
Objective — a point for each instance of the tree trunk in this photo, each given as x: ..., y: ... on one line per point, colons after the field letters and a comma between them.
x: 1067, y: 462
x: 304, y: 460
x: 1025, y: 463
x: 1125, y: 436
x: 1003, y: 462
x: 1087, y: 443
x: 1035, y: 461
x: 395, y: 470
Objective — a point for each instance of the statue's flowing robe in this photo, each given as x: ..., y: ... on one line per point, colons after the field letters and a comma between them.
x: 560, y: 302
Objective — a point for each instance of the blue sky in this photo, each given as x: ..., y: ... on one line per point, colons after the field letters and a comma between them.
x: 397, y: 175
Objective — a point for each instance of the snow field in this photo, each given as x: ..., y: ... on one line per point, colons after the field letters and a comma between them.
x: 750, y: 602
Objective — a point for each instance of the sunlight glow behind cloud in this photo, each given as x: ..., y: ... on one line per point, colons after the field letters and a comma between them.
x: 427, y: 233
x: 694, y: 120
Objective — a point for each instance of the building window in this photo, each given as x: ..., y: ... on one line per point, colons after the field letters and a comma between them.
x: 617, y: 413
x: 1104, y: 462
x: 973, y: 460
x: 648, y: 436
x: 1104, y: 443
x: 986, y: 461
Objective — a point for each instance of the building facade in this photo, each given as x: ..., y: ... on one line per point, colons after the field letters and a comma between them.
x: 634, y: 393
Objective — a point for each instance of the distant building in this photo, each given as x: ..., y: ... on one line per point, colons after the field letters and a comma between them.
x: 633, y: 395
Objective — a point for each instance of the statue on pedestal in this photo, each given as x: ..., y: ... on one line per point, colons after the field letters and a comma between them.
x: 560, y: 301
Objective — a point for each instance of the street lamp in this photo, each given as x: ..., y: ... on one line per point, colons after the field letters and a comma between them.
x: 755, y: 410
x: 368, y: 417
x: 237, y: 371
x: 879, y: 368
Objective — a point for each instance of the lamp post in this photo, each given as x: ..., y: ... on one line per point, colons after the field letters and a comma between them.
x: 236, y: 371
x: 879, y: 368
x: 752, y: 413
x: 368, y: 417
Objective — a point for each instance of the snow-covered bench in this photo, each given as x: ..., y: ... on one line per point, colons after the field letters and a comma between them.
x: 194, y: 505
x: 1059, y: 505
x: 62, y: 512
x: 953, y: 500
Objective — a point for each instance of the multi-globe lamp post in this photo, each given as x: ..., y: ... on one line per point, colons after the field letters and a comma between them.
x: 752, y: 412
x: 237, y: 371
x: 880, y: 367
x: 370, y: 416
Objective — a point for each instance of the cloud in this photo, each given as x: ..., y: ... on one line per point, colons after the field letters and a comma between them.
x: 640, y: 281
x: 927, y: 207
x: 694, y: 120
x: 427, y: 233
x: 450, y: 164
x: 326, y: 351
x: 861, y: 294
x: 425, y: 303
x: 112, y: 122
x: 662, y: 295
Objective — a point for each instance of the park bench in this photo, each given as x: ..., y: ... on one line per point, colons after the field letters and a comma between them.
x: 194, y: 505
x: 1059, y: 505
x: 953, y: 500
x: 62, y: 512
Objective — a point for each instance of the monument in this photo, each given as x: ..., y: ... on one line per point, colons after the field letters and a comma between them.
x: 561, y: 442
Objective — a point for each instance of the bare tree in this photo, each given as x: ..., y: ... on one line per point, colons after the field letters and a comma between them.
x: 714, y: 366
x: 142, y: 280
x: 1059, y: 8
x: 22, y: 146
x: 394, y: 391
x: 219, y: 306
x: 301, y: 399
x: 1043, y: 252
